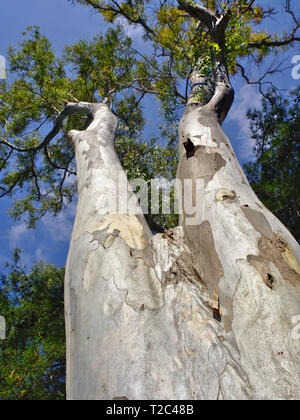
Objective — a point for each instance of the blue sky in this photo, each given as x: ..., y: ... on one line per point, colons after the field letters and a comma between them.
x: 65, y: 24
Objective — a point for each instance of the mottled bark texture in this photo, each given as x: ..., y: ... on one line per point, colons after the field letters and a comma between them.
x: 203, y: 311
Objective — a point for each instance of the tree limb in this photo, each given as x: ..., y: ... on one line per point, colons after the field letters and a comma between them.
x: 221, y: 99
x: 83, y: 107
x: 3, y: 163
x: 220, y: 28
x: 260, y: 82
x: 198, y: 12
x: 267, y: 42
x: 120, y: 11
x: 54, y: 165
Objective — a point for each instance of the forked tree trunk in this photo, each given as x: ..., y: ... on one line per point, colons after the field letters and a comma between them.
x: 203, y: 311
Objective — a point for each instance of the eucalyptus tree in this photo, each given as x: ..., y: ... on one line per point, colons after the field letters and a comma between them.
x: 204, y: 310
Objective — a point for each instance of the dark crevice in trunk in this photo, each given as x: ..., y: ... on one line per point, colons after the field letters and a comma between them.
x: 217, y: 313
x: 190, y: 148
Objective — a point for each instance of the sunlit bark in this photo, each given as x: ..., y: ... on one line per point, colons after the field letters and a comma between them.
x: 203, y: 311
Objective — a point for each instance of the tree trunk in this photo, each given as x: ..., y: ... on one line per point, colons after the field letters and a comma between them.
x: 203, y: 311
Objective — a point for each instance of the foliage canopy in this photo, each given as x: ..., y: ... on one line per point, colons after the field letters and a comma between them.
x: 41, y: 175
x: 32, y: 358
x: 274, y: 174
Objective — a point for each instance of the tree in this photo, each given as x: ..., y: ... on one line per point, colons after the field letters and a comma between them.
x: 43, y: 170
x: 204, y: 310
x: 33, y: 354
x: 274, y: 175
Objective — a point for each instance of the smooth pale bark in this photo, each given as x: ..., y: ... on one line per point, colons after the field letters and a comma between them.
x: 203, y: 311
x: 245, y: 257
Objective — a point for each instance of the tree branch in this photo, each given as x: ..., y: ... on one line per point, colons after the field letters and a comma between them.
x: 220, y: 28
x: 198, y: 12
x: 83, y: 107
x: 221, y: 99
x: 282, y: 43
x: 260, y: 82
x: 290, y: 12
x: 3, y: 163
x: 9, y: 190
x: 54, y: 165
x: 120, y: 11
x: 267, y: 42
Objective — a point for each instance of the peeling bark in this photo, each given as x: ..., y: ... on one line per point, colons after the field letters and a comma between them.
x: 202, y: 311
x: 187, y: 314
x: 257, y: 283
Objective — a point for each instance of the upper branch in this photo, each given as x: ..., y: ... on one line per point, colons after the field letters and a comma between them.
x: 261, y: 80
x: 204, y: 15
x: 221, y: 99
x: 269, y: 42
x: 120, y: 11
x: 70, y: 107
x: 220, y: 28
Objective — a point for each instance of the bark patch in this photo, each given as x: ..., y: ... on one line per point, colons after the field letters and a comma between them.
x: 205, y: 258
x: 258, y: 221
x: 92, y: 152
x: 204, y: 165
x: 73, y: 308
x: 223, y: 194
x: 277, y: 251
x: 130, y: 228
x: 209, y: 119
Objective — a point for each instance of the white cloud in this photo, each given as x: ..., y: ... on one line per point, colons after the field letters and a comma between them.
x: 39, y: 254
x: 17, y: 233
x: 135, y: 32
x: 246, y: 98
x: 59, y: 228
x: 19, y: 236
